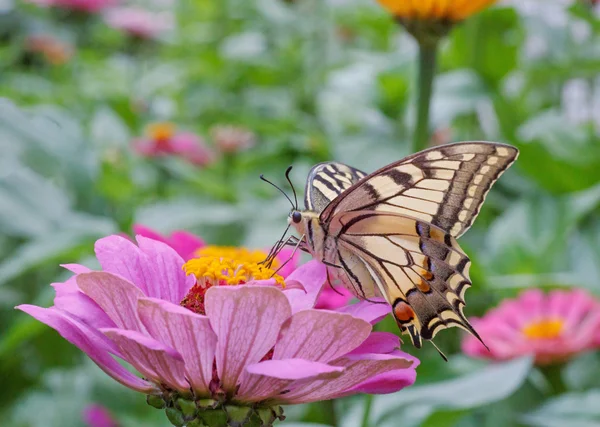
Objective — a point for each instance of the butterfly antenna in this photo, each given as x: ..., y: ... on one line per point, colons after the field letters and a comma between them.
x: 439, y: 351
x: 287, y: 175
x: 282, y: 192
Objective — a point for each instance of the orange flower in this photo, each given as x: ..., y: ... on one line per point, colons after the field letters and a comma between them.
x: 434, y: 10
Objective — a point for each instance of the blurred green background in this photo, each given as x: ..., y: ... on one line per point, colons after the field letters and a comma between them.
x: 304, y: 81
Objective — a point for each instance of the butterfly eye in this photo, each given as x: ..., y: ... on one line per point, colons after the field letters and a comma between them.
x: 296, y: 217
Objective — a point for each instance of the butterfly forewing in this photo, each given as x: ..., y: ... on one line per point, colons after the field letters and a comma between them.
x: 444, y: 186
x: 326, y: 181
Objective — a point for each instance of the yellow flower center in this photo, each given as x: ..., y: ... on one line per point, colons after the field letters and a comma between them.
x: 227, y: 271
x: 544, y: 329
x: 161, y: 131
x: 233, y: 252
x: 215, y: 267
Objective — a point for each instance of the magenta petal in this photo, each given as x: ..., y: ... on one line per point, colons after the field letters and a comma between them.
x: 154, y: 360
x: 116, y: 296
x: 320, y: 335
x: 294, y: 369
x: 378, y: 342
x: 358, y: 370
x: 311, y: 277
x: 188, y: 333
x: 368, y: 311
x: 247, y: 320
x: 284, y: 256
x: 91, y: 342
x: 186, y: 244
x: 98, y: 416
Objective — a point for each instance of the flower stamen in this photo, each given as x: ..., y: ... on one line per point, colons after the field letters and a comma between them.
x: 544, y: 329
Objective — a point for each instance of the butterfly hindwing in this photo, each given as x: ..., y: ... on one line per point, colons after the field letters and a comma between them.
x: 419, y: 269
x: 444, y: 186
x: 326, y: 181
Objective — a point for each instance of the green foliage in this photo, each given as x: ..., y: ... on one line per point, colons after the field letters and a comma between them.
x: 312, y: 80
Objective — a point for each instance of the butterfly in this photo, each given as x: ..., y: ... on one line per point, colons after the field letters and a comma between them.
x: 393, y: 233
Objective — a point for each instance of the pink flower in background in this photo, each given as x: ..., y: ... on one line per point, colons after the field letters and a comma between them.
x: 90, y: 6
x: 52, y: 49
x: 551, y: 326
x: 139, y: 22
x: 221, y: 328
x: 98, y: 416
x: 163, y: 140
x: 232, y: 139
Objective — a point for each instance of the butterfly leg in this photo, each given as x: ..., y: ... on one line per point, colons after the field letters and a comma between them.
x: 291, y: 255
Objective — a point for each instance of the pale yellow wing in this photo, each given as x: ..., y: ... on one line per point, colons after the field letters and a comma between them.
x: 444, y: 186
x: 419, y: 268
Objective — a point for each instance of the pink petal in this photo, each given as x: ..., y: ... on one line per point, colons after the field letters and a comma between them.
x: 154, y: 360
x: 154, y: 267
x: 184, y: 243
x: 116, y: 296
x: 388, y: 382
x: 378, y: 342
x: 76, y: 268
x: 91, y: 342
x: 188, y: 333
x: 359, y: 369
x: 294, y: 369
x: 167, y: 279
x: 247, y: 320
x: 311, y: 277
x: 271, y: 377
x: 370, y: 312
x: 320, y: 336
x: 70, y: 299
x: 193, y: 148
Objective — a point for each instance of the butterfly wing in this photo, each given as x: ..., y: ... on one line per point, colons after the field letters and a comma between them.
x: 444, y: 186
x: 326, y: 181
x: 419, y: 269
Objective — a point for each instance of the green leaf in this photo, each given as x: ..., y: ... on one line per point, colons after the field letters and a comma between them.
x: 490, y: 384
x: 572, y: 409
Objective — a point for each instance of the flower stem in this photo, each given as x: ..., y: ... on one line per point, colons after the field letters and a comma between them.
x: 427, y: 63
x: 329, y: 415
x: 553, y: 374
x: 367, y: 413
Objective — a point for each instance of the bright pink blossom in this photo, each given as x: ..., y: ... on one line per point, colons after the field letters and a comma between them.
x: 332, y: 298
x: 90, y: 6
x: 551, y: 326
x: 139, y: 22
x: 264, y: 342
x: 163, y: 140
x: 98, y: 416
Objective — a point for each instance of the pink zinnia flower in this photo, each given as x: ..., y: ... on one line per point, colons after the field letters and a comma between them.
x: 139, y: 22
x: 185, y: 244
x: 90, y: 6
x: 98, y: 416
x: 162, y: 140
x: 232, y: 139
x: 223, y: 334
x: 553, y: 327
x: 52, y: 49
